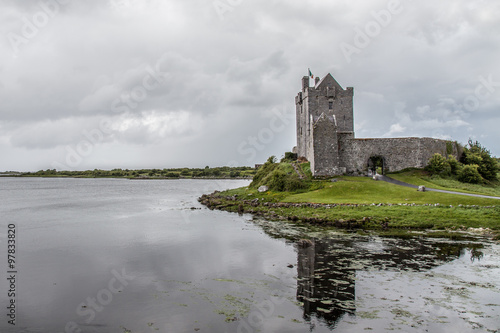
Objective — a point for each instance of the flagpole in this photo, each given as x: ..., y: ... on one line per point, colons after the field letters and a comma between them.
x: 311, y: 75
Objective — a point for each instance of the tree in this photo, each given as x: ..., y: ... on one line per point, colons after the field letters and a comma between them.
x: 455, y: 166
x: 438, y: 165
x: 475, y: 154
x: 470, y: 174
x: 272, y: 159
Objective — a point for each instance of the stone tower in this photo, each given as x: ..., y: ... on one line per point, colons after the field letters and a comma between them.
x: 324, y: 116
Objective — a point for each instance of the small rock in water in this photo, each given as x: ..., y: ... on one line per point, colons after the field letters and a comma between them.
x: 290, y: 266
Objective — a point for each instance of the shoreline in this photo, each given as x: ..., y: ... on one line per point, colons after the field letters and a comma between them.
x: 382, y: 217
x: 129, y: 178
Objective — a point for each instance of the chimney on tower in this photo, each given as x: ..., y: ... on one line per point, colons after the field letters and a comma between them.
x: 305, y: 83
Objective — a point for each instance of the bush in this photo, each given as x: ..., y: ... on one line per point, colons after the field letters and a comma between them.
x: 289, y: 157
x: 172, y: 175
x: 455, y: 166
x: 263, y: 171
x: 293, y: 183
x: 277, y: 181
x: 489, y: 167
x: 438, y: 165
x: 470, y: 174
x: 476, y: 165
x: 234, y: 174
x: 473, y: 158
x: 280, y: 181
x: 279, y: 177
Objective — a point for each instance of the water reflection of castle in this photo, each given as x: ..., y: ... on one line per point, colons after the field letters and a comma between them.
x: 327, y: 269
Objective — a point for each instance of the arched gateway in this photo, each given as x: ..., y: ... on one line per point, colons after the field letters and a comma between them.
x: 376, y: 165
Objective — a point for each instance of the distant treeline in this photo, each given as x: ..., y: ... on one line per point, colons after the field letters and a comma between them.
x: 207, y: 172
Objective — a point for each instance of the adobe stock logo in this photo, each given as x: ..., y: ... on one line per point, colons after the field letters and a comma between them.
x: 363, y: 37
x: 104, y: 297
x: 32, y: 25
x: 260, y: 313
x: 484, y: 90
x: 128, y: 100
x: 224, y: 6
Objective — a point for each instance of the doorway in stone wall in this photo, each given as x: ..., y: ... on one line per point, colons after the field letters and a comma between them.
x: 376, y: 165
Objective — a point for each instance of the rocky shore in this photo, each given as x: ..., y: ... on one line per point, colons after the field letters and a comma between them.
x: 283, y: 210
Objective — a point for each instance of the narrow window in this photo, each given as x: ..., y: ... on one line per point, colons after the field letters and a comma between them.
x: 330, y: 105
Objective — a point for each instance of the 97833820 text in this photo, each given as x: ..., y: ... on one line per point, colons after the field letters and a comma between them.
x: 11, y: 274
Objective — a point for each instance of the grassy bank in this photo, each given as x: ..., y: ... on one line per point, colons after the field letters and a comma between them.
x: 364, y: 190
x: 420, y: 177
x: 363, y: 203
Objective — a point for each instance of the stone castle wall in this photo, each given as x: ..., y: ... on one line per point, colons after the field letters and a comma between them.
x: 326, y: 159
x: 397, y: 153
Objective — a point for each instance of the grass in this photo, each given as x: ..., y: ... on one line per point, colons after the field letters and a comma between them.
x: 370, y: 204
x: 401, y: 217
x: 419, y: 177
x: 364, y: 190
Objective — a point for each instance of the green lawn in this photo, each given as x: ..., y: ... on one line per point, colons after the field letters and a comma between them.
x: 405, y: 217
x: 418, y: 177
x: 364, y: 190
x: 432, y: 210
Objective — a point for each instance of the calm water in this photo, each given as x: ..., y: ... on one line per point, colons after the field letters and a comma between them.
x: 109, y: 255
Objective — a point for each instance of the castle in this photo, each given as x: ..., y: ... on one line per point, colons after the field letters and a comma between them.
x: 325, y: 136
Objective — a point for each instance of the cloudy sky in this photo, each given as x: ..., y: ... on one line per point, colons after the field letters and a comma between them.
x: 162, y: 83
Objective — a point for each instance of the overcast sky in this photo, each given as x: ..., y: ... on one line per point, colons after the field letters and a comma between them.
x: 156, y: 84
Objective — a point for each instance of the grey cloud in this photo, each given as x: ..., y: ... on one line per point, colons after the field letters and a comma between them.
x: 227, y: 75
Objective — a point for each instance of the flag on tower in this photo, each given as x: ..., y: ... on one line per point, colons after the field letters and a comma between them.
x: 311, y: 74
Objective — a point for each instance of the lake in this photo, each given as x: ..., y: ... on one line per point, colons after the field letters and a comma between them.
x: 130, y: 256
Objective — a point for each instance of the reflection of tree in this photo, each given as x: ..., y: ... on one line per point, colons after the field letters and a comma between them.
x: 327, y: 268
